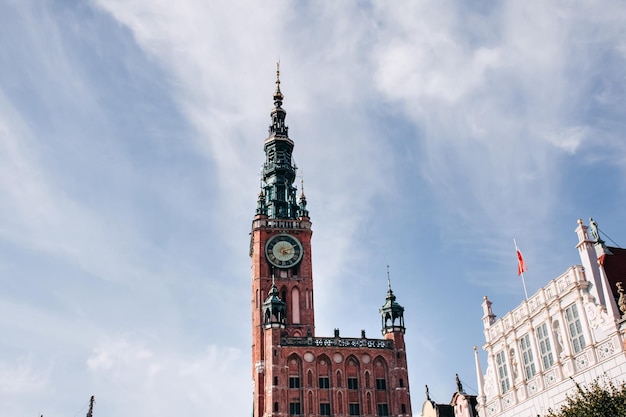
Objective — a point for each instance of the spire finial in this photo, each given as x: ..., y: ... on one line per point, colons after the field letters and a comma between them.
x: 427, y: 394
x: 278, y: 95
x: 388, y: 279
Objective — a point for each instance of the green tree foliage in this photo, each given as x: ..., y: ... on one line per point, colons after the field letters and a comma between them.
x: 602, y: 398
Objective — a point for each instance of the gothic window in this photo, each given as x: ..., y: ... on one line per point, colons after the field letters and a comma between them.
x: 294, y: 409
x: 310, y: 378
x: 503, y: 372
x: 545, y: 347
x: 401, y: 383
x: 324, y: 382
x: 369, y: 403
x: 353, y: 383
x: 403, y: 407
x: 367, y: 379
x: 383, y: 409
x: 353, y: 409
x: 324, y: 409
x: 381, y: 383
x: 275, y: 380
x: 310, y: 402
x: 294, y: 382
x: 527, y: 356
x: 575, y: 328
x: 276, y: 407
x: 338, y: 379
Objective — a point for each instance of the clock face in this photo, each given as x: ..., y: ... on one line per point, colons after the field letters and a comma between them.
x: 283, y: 251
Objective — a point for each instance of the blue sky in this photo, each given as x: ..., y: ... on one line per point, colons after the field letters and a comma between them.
x: 430, y: 134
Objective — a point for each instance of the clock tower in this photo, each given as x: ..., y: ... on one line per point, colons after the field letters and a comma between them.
x: 294, y: 371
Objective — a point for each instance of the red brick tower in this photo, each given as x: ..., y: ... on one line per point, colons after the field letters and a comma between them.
x: 295, y: 372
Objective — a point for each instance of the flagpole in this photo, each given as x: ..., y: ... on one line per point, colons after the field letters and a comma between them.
x: 521, y: 269
x: 524, y: 283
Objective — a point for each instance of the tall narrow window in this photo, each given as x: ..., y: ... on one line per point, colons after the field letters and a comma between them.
x: 324, y: 409
x: 324, y: 382
x: 544, y: 346
x: 383, y: 410
x: 353, y: 383
x: 503, y: 371
x: 527, y: 356
x: 575, y: 328
x: 354, y: 409
x: 381, y: 383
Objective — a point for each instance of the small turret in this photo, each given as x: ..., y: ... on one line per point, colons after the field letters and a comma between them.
x: 488, y: 317
x: 391, y: 312
x: 274, y: 310
x: 302, y: 211
x: 261, y: 207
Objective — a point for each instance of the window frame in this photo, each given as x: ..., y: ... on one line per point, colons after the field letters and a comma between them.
x: 575, y: 329
x: 526, y: 351
x: 381, y: 384
x: 294, y: 382
x: 503, y: 371
x: 295, y: 409
x: 545, y: 346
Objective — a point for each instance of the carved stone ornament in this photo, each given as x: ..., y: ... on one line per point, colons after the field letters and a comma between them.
x: 622, y: 299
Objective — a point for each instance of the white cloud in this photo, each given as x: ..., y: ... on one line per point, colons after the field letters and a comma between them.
x: 167, y: 382
x: 22, y: 377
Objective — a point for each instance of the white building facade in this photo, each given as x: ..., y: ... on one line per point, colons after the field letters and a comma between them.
x: 569, y: 332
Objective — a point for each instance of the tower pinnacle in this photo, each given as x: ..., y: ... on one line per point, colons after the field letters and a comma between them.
x: 279, y: 172
x: 278, y: 96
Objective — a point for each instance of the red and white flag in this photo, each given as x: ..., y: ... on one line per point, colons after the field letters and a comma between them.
x: 521, y: 265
